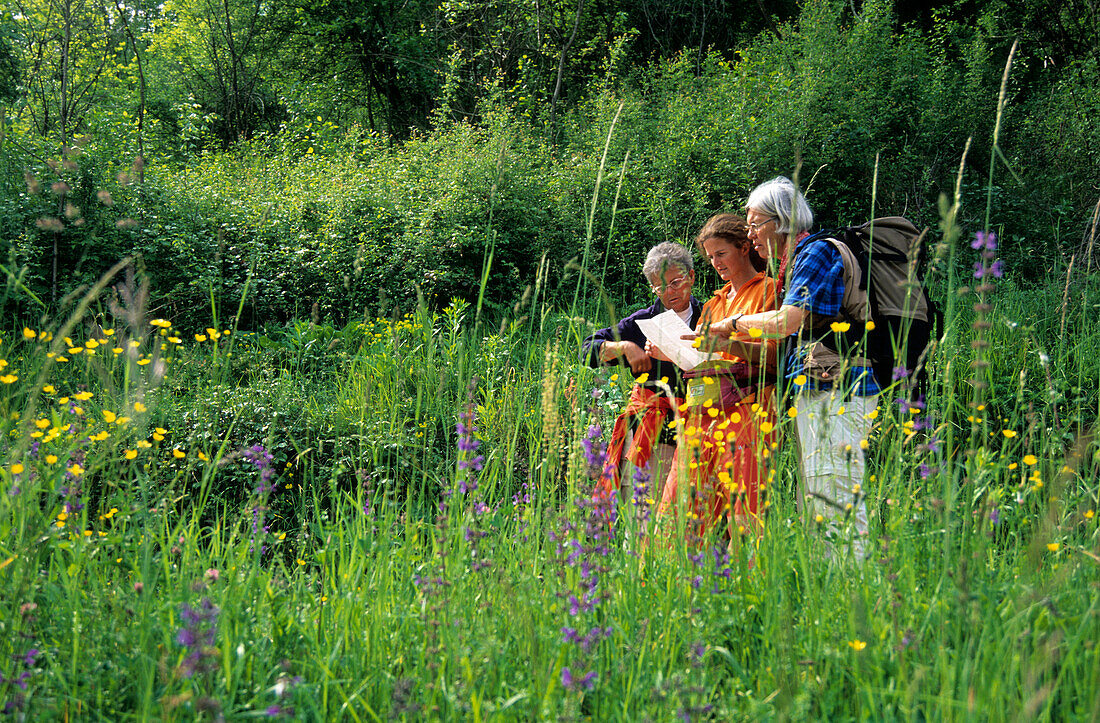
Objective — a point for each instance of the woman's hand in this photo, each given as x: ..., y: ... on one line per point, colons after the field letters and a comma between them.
x: 725, y: 328
x: 704, y: 343
x: 655, y: 352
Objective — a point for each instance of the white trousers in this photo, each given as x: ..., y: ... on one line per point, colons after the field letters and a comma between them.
x: 830, y: 429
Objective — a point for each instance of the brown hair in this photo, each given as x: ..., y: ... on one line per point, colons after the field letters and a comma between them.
x: 732, y: 229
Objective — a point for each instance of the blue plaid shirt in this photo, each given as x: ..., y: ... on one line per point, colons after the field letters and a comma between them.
x: 817, y: 278
x: 817, y: 285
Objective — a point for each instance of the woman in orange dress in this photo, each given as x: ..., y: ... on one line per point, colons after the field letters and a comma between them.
x: 727, y: 431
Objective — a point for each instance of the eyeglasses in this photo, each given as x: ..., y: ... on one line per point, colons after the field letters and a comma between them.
x: 754, y: 227
x: 674, y: 285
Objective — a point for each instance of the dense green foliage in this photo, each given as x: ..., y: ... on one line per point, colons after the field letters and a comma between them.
x: 321, y: 209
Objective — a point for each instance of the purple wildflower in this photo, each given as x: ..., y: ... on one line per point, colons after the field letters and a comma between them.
x: 261, y: 458
x: 197, y: 636
x: 900, y: 372
x: 469, y: 461
x: 995, y: 516
x: 984, y: 241
x: 595, y: 451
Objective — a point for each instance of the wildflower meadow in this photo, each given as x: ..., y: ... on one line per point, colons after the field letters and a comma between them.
x: 198, y: 524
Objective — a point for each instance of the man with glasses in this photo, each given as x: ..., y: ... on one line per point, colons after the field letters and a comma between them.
x: 641, y: 436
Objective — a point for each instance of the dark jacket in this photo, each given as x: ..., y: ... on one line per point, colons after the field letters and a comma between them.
x: 627, y: 330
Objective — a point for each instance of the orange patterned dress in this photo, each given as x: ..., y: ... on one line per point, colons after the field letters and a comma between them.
x: 721, y: 453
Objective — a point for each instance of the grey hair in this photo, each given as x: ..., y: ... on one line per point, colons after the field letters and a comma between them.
x: 779, y: 198
x: 664, y: 255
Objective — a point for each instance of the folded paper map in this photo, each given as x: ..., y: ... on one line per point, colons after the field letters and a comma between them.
x: 664, y: 332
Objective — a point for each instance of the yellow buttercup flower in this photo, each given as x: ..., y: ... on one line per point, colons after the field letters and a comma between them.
x: 839, y: 327
x: 1053, y: 546
x: 139, y: 407
x: 756, y: 333
x: 792, y: 412
x: 130, y: 453
x: 1030, y: 460
x: 82, y: 396
x: 857, y: 645
x: 17, y: 468
x: 1010, y: 433
x: 49, y: 389
x: 800, y: 380
x: 109, y: 416
x: 178, y: 453
x: 9, y: 379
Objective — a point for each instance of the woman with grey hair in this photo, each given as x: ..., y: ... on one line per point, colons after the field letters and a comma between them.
x: 834, y: 387
x: 641, y: 435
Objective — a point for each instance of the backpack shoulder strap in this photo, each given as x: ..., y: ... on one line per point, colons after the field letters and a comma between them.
x: 855, y: 304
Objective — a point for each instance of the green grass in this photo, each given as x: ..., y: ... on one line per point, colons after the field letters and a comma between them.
x: 374, y: 595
